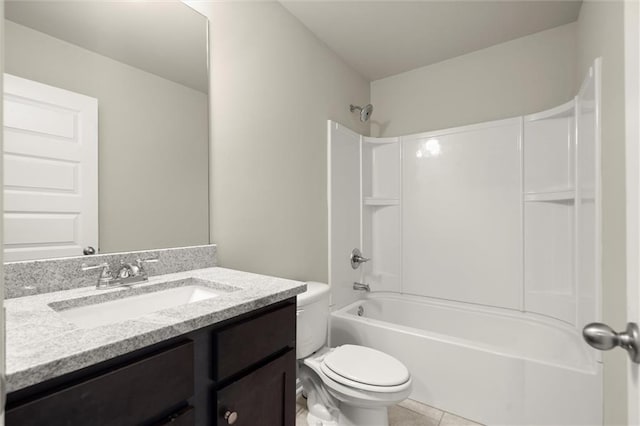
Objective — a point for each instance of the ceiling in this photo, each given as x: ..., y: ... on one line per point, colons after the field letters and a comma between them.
x: 382, y: 38
x: 166, y: 38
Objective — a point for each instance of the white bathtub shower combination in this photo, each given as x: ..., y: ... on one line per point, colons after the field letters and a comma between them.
x: 485, y: 260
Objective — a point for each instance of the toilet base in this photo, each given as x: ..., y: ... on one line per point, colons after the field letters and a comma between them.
x: 315, y: 421
x: 358, y: 416
x: 353, y: 416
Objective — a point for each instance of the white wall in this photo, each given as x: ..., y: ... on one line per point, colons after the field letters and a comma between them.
x: 274, y: 85
x: 600, y: 31
x: 518, y: 77
x: 153, y: 141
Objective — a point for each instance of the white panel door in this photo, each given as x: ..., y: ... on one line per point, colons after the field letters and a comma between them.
x: 50, y: 171
x: 344, y: 199
x: 462, y: 214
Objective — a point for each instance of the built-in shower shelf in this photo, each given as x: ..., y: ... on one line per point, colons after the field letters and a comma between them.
x: 380, y: 141
x: 375, y: 201
x: 561, y: 195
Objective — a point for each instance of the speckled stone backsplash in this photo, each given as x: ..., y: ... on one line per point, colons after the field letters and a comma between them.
x: 44, y: 276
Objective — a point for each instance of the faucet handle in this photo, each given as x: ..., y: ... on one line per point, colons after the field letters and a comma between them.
x: 357, y: 258
x: 104, y: 266
x: 141, y: 262
x: 105, y: 276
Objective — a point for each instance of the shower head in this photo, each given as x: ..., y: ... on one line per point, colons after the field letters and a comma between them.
x: 365, y: 111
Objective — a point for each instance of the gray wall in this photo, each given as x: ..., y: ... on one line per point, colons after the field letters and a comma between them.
x: 518, y: 77
x: 153, y: 141
x: 274, y: 85
x: 601, y: 33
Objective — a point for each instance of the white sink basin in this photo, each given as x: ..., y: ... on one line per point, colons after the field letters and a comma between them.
x: 131, y: 307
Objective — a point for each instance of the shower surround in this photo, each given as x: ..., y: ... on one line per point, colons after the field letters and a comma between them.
x: 485, y: 248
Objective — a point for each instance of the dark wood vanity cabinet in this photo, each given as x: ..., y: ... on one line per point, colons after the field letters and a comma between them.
x: 240, y: 372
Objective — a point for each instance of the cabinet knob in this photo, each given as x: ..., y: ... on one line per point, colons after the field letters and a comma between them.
x: 231, y: 417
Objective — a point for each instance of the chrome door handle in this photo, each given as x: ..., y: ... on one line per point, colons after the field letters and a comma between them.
x: 602, y: 337
x: 357, y: 259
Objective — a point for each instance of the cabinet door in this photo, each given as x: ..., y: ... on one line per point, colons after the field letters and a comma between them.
x: 133, y: 394
x: 254, y: 340
x: 265, y: 397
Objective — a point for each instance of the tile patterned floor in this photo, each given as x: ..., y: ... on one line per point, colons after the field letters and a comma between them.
x: 407, y: 413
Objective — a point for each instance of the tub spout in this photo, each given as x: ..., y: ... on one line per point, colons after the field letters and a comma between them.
x: 361, y: 286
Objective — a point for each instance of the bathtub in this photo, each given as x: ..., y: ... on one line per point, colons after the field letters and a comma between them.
x: 493, y: 366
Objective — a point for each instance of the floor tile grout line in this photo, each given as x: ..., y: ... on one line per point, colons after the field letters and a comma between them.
x: 431, y: 407
x: 421, y: 413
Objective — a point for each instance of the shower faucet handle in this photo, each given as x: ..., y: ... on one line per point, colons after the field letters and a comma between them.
x: 357, y: 259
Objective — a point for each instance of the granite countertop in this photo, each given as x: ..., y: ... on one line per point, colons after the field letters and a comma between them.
x: 42, y: 345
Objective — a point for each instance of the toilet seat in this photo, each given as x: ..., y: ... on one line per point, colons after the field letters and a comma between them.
x: 365, y: 368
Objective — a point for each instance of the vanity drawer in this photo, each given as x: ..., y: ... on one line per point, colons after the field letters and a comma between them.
x: 242, y: 345
x: 133, y: 394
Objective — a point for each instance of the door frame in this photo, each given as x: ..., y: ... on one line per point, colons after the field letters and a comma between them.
x: 632, y: 146
x: 3, y: 395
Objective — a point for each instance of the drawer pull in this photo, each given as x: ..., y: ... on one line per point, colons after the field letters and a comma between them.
x: 231, y: 417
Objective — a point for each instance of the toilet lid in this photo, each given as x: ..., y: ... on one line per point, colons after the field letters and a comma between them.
x: 365, y: 365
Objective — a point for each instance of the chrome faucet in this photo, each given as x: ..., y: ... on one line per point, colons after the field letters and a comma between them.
x: 361, y: 286
x: 128, y: 273
x: 128, y: 270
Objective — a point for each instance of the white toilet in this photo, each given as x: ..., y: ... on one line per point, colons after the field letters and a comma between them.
x: 349, y: 385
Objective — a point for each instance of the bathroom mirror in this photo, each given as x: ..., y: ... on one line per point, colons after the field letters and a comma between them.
x: 106, y: 127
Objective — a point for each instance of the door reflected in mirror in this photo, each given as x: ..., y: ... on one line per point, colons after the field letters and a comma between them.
x: 105, y: 127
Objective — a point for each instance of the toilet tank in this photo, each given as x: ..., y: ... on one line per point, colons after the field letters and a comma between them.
x: 312, y: 319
